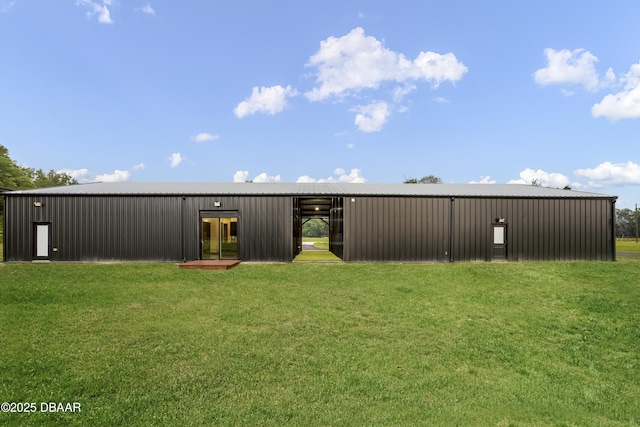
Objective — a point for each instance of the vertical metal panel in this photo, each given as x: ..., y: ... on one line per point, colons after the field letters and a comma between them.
x: 166, y: 228
x: 268, y: 231
x: 336, y: 227
x: 270, y: 227
x: 396, y: 229
x: 538, y: 229
x: 265, y: 225
x: 91, y: 228
x: 473, y: 219
x: 19, y: 214
x: 297, y: 227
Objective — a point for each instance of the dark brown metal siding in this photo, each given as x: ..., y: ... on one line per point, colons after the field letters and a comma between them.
x: 296, y: 243
x: 166, y: 228
x: 18, y: 229
x: 265, y: 231
x: 151, y: 228
x: 266, y: 228
x: 97, y: 227
x: 336, y: 227
x: 537, y: 229
x: 396, y: 229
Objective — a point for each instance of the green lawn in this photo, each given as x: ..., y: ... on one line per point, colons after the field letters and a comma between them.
x: 505, y: 344
x: 319, y: 242
x: 316, y: 256
x: 627, y: 245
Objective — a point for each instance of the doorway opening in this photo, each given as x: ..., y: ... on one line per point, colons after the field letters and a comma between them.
x: 218, y: 235
x: 317, y: 228
x: 499, y: 242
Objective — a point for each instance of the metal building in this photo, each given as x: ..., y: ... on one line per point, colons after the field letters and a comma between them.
x: 263, y: 222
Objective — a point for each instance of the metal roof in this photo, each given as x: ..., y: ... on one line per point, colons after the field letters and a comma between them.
x: 309, y: 189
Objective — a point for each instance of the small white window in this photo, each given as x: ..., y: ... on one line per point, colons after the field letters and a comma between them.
x: 42, y: 240
x: 498, y: 235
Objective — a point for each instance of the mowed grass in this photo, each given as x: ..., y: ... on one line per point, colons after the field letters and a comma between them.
x: 628, y: 245
x: 318, y: 242
x: 341, y: 344
x: 316, y: 256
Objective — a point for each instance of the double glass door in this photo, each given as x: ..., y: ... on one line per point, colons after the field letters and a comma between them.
x: 219, y: 237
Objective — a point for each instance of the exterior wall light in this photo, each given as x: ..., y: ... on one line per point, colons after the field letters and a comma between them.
x: 217, y: 204
x: 500, y: 220
x: 37, y: 204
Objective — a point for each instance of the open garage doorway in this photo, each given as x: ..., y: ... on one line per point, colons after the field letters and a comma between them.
x: 323, y: 218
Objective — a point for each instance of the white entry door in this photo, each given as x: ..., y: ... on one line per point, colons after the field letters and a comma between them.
x: 42, y: 241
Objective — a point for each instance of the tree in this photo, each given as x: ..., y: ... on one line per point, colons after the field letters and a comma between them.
x: 15, y: 177
x: 12, y: 176
x: 430, y: 179
x: 315, y: 228
x: 49, y: 179
x: 625, y: 223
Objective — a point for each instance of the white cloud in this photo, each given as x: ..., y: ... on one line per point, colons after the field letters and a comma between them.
x: 578, y: 67
x: 80, y: 175
x: 441, y: 100
x: 401, y: 91
x: 241, y: 176
x: 5, y: 5
x: 205, y: 137
x: 484, y: 180
x: 138, y: 167
x: 624, y: 104
x: 305, y: 179
x: 356, y: 61
x: 148, y: 9
x: 611, y: 174
x: 372, y: 117
x: 268, y: 100
x: 83, y: 175
x: 571, y: 67
x: 116, y: 176
x: 545, y: 179
x: 339, y: 175
x: 95, y: 8
x: 176, y: 159
x: 264, y: 177
x: 436, y: 68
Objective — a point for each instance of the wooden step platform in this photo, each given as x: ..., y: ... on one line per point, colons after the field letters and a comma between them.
x: 210, y: 264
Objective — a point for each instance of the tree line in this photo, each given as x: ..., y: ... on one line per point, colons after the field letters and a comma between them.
x: 627, y: 222
x: 17, y: 177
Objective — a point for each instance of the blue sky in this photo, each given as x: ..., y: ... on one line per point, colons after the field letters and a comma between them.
x: 355, y: 91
